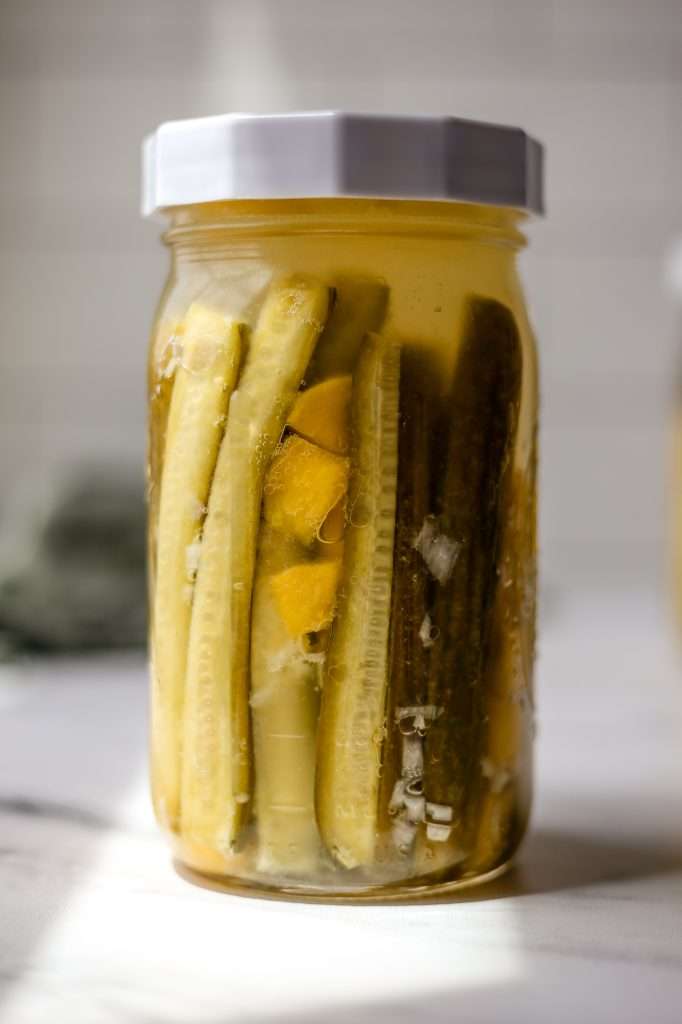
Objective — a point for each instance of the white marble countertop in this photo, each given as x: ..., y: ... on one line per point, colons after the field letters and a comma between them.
x: 95, y: 926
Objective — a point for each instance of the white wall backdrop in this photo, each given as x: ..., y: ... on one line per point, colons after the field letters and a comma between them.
x: 600, y: 82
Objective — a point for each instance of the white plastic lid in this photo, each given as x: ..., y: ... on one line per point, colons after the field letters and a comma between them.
x: 328, y: 154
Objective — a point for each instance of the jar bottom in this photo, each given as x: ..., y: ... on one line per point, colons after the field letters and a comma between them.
x: 400, y: 892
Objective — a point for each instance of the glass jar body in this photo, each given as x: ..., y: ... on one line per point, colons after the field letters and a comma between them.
x: 342, y: 542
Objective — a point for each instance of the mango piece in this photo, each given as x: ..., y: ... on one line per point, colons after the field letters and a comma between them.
x: 321, y: 414
x: 305, y: 595
x: 303, y: 485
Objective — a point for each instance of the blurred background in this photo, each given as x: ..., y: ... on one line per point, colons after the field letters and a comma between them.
x: 81, y: 82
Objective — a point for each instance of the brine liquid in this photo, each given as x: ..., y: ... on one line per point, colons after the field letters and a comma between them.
x: 342, y: 546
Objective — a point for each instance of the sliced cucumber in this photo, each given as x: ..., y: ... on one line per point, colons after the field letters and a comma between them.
x: 160, y: 373
x: 216, y: 772
x: 352, y: 718
x: 411, y: 632
x: 482, y: 411
x: 504, y: 783
x: 284, y: 706
x: 204, y: 379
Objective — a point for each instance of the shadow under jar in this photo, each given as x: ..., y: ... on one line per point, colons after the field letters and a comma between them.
x: 342, y: 502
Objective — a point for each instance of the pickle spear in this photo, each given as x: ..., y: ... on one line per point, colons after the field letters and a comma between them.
x: 482, y: 411
x: 359, y: 309
x: 216, y: 771
x: 504, y: 776
x: 203, y: 382
x: 411, y: 630
x: 352, y: 717
x: 284, y: 706
x: 293, y: 607
x: 160, y: 372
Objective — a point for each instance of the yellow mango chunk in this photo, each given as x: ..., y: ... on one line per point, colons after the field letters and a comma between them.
x: 321, y: 414
x: 303, y: 485
x: 305, y: 595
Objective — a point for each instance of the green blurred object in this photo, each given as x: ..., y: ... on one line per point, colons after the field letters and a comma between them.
x: 72, y: 563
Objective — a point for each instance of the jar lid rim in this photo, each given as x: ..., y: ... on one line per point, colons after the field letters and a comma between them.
x: 331, y: 154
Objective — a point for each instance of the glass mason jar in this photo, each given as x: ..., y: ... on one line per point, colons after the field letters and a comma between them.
x: 342, y: 496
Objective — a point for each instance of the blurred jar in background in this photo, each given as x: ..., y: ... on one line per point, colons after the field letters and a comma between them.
x: 674, y: 280
x: 342, y: 466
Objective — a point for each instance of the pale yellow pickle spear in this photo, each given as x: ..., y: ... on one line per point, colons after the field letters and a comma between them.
x: 284, y: 706
x: 204, y: 379
x: 216, y: 787
x: 355, y: 684
x: 293, y: 607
